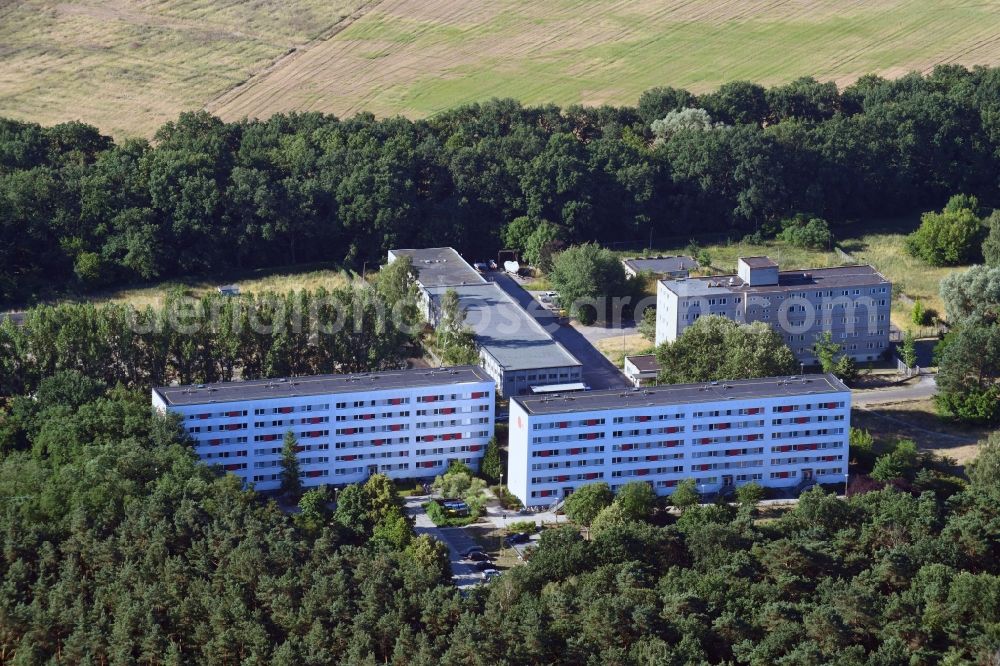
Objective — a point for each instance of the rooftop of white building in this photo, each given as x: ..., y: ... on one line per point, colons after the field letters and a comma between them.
x: 682, y: 394
x: 837, y: 277
x: 293, y: 387
x: 440, y: 267
x: 504, y: 329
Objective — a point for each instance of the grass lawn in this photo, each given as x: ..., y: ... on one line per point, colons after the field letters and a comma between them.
x: 918, y: 421
x: 278, y: 280
x: 634, y: 344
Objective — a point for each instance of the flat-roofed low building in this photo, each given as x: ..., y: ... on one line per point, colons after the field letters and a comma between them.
x: 642, y: 369
x: 851, y: 302
x: 660, y: 267
x: 514, y: 349
x: 781, y: 432
x: 402, y: 423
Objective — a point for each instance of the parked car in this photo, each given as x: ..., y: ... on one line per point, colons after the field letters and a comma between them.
x: 478, y: 556
x: 519, y: 537
x: 490, y: 574
x: 484, y: 565
x: 470, y: 550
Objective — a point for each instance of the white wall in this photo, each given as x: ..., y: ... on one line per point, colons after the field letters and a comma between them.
x: 322, y: 461
x: 523, y: 449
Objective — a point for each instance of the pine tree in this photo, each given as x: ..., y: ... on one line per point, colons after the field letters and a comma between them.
x: 491, y: 468
x: 291, y: 484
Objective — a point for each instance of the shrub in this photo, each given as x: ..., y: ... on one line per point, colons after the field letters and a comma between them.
x: 949, y: 238
x: 812, y: 233
x: 440, y: 517
x: 508, y: 500
x: 522, y: 526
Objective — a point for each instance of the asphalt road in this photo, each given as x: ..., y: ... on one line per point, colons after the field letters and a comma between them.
x: 598, y: 371
x: 922, y: 389
x: 457, y: 540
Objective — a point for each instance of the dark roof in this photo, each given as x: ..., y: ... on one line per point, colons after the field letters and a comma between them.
x: 679, y: 394
x: 440, y: 267
x: 813, y: 278
x: 290, y: 387
x: 661, y: 264
x: 759, y: 262
x: 644, y: 362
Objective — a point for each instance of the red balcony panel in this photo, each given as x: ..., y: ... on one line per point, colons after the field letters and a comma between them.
x: 429, y: 438
x: 671, y: 483
x: 642, y: 472
x: 652, y: 458
x: 733, y: 452
x: 203, y: 416
x: 314, y: 472
x: 626, y: 447
x: 349, y: 431
x: 475, y: 447
x: 284, y: 410
x: 785, y: 408
x: 447, y: 410
x: 544, y: 454
x: 643, y: 418
x: 395, y: 427
x: 233, y: 467
x: 591, y: 435
x: 562, y: 479
x: 563, y: 424
x: 233, y: 426
x: 367, y: 417
x: 348, y: 457
x: 430, y: 398
x: 300, y: 449
x: 706, y: 440
x: 574, y: 452
x: 395, y: 401
x: 478, y: 394
x: 215, y: 442
x: 591, y: 475
x: 378, y: 442
x: 671, y: 429
x: 456, y: 435
x: 722, y: 426
x: 545, y: 493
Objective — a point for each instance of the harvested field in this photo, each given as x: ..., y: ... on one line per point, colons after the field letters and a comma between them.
x: 417, y: 57
x: 129, y: 65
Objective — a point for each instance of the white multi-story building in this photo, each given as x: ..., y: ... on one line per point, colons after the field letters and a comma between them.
x: 851, y: 302
x: 782, y: 432
x: 401, y: 423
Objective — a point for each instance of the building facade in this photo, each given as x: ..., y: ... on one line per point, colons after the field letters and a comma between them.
x: 851, y: 302
x: 514, y: 349
x: 401, y: 423
x: 781, y: 432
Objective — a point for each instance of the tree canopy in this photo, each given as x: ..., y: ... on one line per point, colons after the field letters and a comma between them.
x: 79, y: 211
x: 750, y: 350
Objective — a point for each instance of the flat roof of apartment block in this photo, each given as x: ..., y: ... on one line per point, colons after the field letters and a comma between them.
x: 440, y: 267
x: 680, y: 394
x: 837, y: 277
x: 294, y: 387
x: 504, y: 329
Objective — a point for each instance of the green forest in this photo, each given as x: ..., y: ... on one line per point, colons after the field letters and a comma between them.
x: 79, y: 211
x: 117, y: 546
